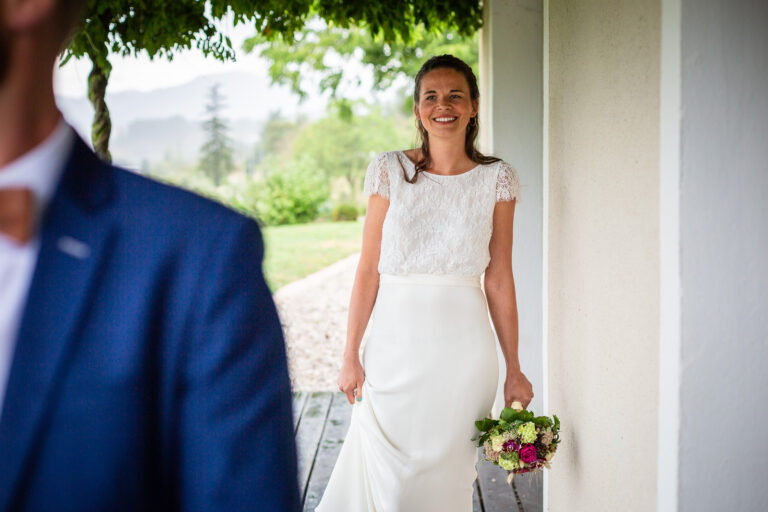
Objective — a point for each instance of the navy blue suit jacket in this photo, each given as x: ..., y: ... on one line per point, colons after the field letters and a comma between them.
x: 150, y: 369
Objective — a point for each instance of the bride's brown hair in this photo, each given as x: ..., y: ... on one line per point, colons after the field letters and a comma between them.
x: 448, y: 62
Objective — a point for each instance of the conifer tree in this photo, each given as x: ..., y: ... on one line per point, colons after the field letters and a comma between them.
x: 216, y: 159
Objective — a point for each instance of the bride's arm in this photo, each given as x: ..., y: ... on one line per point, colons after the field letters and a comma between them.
x: 499, y: 284
x: 363, y: 297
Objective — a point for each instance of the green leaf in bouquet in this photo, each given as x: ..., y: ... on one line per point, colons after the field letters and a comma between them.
x: 557, y: 422
x: 542, y: 421
x: 485, y: 424
x: 508, y: 414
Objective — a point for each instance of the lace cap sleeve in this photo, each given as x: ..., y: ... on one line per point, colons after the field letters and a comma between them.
x: 377, y: 177
x: 507, y: 183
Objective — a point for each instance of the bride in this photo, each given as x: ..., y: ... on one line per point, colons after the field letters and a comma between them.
x: 438, y: 217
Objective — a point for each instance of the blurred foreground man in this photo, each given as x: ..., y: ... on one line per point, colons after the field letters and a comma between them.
x: 142, y: 365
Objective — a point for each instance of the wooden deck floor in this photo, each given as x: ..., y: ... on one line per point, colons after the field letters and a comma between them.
x: 321, y: 420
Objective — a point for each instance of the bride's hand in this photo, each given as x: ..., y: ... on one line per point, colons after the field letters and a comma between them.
x: 351, y: 376
x: 517, y: 388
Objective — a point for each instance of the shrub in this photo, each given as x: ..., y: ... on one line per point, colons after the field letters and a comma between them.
x: 291, y: 194
x: 344, y: 211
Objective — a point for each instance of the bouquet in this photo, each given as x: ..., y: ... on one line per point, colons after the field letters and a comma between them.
x: 519, y: 441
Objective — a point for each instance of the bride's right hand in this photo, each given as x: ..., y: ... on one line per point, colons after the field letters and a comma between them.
x: 351, y: 376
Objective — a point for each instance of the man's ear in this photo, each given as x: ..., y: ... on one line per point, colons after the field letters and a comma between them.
x: 24, y: 15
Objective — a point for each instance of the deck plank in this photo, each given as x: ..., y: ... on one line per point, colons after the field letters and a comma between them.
x: 333, y: 437
x: 530, y: 489
x: 477, y: 505
x: 299, y: 400
x: 309, y: 432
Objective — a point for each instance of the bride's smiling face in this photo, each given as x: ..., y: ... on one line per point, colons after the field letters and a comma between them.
x: 445, y: 107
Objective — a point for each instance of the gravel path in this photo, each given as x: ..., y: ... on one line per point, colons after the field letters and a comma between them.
x: 313, y: 312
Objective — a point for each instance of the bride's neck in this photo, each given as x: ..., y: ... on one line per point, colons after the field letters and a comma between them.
x: 448, y: 155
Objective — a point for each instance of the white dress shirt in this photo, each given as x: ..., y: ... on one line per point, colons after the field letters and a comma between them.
x: 39, y: 170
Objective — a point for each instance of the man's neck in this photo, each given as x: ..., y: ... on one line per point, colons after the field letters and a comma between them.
x: 28, y: 110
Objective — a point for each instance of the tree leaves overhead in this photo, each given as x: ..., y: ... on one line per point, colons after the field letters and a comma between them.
x: 392, y: 38
x: 395, y: 19
x: 292, y: 62
x: 164, y: 27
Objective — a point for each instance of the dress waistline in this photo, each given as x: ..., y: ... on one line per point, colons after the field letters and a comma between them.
x: 430, y: 279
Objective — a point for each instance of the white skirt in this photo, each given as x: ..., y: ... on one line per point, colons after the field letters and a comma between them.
x: 431, y: 371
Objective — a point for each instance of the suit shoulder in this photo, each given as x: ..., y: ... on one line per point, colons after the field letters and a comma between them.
x: 157, y: 199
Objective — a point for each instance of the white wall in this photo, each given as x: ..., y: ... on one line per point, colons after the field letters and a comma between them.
x: 723, y: 446
x: 603, y: 251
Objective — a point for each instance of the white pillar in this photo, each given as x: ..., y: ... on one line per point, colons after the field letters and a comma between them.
x: 669, y: 259
x: 511, y: 128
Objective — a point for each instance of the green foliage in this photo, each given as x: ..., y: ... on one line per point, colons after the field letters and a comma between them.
x: 216, y: 159
x: 292, y: 61
x: 302, y: 168
x: 344, y: 211
x: 485, y: 424
x: 396, y: 19
x: 509, y: 415
x: 291, y: 193
x: 343, y: 148
x: 165, y: 27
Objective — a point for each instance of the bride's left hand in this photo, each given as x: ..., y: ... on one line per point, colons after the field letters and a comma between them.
x: 517, y: 388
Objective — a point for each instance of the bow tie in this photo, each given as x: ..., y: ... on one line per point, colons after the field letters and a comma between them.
x: 17, y: 214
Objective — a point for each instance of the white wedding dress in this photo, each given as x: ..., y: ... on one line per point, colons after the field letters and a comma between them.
x: 430, y: 363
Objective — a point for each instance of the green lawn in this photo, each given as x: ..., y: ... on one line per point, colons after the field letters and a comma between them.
x: 293, y: 252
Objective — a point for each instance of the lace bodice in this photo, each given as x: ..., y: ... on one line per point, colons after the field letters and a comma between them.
x: 440, y: 224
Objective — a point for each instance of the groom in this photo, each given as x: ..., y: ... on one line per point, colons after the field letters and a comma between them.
x: 142, y: 365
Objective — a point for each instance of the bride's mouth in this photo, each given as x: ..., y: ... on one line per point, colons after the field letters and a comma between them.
x: 445, y: 119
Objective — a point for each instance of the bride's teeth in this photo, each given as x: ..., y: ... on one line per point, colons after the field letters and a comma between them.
x: 444, y: 119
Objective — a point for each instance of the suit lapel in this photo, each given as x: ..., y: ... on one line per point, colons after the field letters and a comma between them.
x: 75, y: 237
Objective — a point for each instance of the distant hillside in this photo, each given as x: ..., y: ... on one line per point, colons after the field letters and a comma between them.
x: 176, y: 138
x: 149, y: 125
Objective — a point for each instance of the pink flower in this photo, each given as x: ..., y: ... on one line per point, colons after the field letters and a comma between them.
x: 528, y: 453
x: 510, y: 446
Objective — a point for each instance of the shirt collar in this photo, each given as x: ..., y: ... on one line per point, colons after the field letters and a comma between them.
x: 40, y: 168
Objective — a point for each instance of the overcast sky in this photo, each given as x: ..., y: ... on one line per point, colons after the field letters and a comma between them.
x: 141, y: 74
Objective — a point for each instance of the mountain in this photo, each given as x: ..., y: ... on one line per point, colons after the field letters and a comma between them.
x: 177, y: 139
x: 150, y: 125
